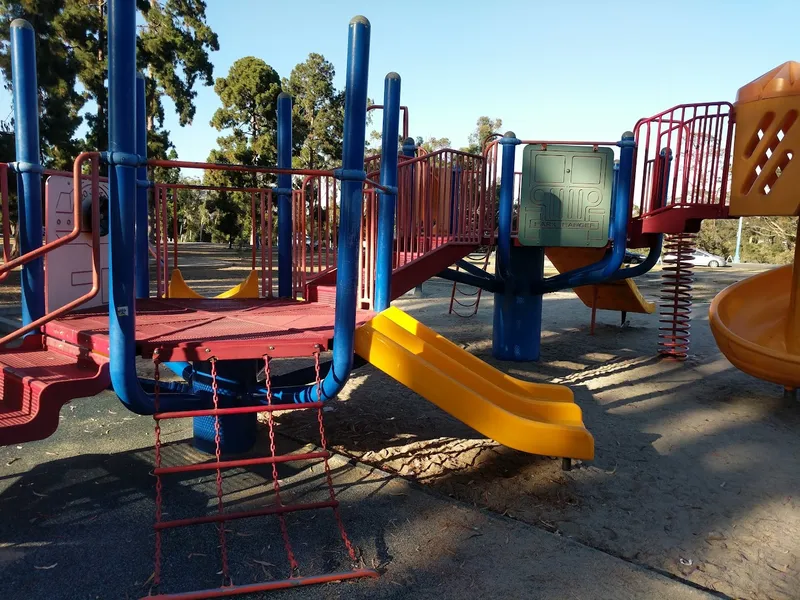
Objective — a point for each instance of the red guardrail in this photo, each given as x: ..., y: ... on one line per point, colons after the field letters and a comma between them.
x: 699, y: 136
x: 94, y: 159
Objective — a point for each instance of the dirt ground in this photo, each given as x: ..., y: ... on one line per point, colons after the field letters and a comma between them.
x: 696, y: 470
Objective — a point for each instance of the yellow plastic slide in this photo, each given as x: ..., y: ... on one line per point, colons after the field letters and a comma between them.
x: 536, y: 418
x: 621, y: 295
x: 178, y: 288
x: 750, y: 321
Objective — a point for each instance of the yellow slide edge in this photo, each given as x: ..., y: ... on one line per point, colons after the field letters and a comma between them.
x: 534, y: 418
x: 178, y: 288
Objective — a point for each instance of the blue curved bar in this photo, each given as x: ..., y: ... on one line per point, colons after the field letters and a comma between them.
x: 352, y: 201
x: 122, y: 217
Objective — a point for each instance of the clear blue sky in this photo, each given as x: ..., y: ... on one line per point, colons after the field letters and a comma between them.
x: 570, y: 69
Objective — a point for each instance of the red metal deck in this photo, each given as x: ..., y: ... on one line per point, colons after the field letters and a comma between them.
x: 198, y: 329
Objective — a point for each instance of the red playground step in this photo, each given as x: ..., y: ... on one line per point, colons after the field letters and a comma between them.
x: 37, y: 379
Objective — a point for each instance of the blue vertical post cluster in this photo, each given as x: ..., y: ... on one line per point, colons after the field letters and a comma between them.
x: 518, y: 308
x: 387, y: 201
x: 142, y: 260
x: 28, y: 165
x: 284, y: 196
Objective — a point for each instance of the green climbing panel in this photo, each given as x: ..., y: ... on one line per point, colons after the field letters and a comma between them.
x: 566, y: 196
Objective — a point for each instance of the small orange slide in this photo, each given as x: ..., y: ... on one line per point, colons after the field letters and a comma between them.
x: 752, y: 322
x: 622, y: 295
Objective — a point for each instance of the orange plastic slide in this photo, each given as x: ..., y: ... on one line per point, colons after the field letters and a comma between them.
x: 621, y: 295
x: 751, y: 322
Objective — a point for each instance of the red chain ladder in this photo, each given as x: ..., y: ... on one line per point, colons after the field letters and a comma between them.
x: 279, y: 509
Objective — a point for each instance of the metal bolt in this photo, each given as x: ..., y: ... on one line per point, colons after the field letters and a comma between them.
x: 208, y: 349
x: 272, y: 347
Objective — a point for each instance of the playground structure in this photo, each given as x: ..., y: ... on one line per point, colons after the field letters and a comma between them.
x: 756, y: 322
x: 347, y: 245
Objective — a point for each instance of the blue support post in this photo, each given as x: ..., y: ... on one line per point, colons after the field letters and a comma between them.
x: 409, y: 150
x: 123, y: 161
x: 28, y: 166
x: 352, y: 205
x: 517, y: 311
x: 142, y: 260
x: 387, y: 202
x: 284, y: 196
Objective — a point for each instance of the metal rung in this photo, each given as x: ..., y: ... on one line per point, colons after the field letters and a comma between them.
x: 272, y: 510
x: 236, y: 410
x: 244, y: 462
x: 235, y: 590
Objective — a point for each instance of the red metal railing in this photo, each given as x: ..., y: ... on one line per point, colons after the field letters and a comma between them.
x: 699, y: 136
x: 315, y: 223
x: 4, y: 200
x: 94, y: 159
x: 261, y: 230
x: 403, y: 110
x: 260, y: 202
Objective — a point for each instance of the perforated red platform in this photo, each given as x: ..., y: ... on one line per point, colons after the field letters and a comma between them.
x: 197, y: 329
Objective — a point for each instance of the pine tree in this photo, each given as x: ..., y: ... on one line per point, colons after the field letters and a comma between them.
x: 173, y: 49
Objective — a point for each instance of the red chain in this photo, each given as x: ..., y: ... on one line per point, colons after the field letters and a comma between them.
x: 220, y: 506
x: 350, y: 550
x: 159, y: 499
x: 275, y: 484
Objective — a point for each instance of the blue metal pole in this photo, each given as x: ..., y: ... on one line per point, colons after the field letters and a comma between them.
x: 28, y: 166
x: 123, y: 161
x: 352, y: 204
x: 509, y: 142
x: 387, y: 202
x: 285, y: 196
x: 517, y: 325
x: 142, y: 251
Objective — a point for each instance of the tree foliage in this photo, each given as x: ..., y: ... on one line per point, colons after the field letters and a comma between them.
x: 764, y: 239
x: 484, y: 127
x: 432, y: 144
x: 317, y: 113
x: 173, y: 48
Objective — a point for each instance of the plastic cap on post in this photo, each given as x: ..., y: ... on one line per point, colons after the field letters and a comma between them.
x: 360, y: 20
x: 509, y: 137
x: 21, y: 23
x: 628, y: 139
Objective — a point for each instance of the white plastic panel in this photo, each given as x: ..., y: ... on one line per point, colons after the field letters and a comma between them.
x: 68, y: 269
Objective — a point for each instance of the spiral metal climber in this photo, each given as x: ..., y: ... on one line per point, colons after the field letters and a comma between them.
x: 676, y: 296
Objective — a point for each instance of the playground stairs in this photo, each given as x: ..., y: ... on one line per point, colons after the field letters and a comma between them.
x: 37, y: 378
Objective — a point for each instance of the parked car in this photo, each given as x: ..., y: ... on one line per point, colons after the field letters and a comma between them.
x: 633, y: 258
x: 701, y: 258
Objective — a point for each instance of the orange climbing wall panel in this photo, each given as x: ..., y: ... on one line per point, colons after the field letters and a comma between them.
x: 766, y: 160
